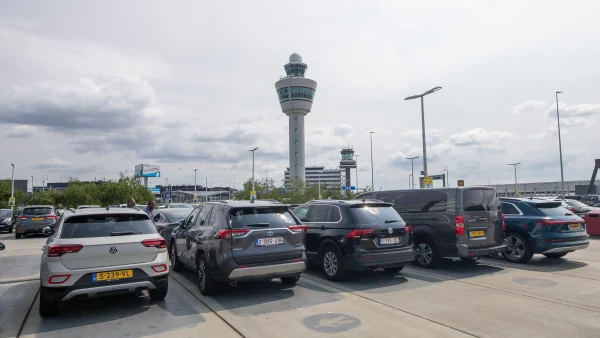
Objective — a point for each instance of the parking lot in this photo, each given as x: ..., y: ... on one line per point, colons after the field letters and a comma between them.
x: 490, y: 298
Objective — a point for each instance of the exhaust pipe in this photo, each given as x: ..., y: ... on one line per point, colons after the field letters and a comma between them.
x: 298, y: 276
x: 234, y: 283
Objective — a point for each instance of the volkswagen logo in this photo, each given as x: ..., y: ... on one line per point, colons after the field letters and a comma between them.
x: 113, y: 250
x: 390, y: 230
x: 269, y: 233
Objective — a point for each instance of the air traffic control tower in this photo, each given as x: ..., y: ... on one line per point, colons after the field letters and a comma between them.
x: 296, y: 93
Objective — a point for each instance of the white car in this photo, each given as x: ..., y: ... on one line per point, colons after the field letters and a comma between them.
x: 100, y: 252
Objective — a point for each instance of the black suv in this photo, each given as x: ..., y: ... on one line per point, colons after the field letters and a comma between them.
x: 231, y: 241
x: 355, y: 235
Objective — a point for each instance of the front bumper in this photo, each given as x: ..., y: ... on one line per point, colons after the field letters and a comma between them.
x: 390, y: 258
x: 465, y: 252
x: 4, y: 226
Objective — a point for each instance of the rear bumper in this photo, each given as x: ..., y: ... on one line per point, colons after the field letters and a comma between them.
x: 31, y: 229
x: 464, y: 251
x: 267, y: 271
x: 563, y: 247
x: 366, y: 260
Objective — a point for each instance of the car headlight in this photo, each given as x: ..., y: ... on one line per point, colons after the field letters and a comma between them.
x: 7, y: 220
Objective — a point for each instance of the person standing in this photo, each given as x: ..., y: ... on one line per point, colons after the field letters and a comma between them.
x: 131, y: 203
x: 59, y: 210
x: 150, y: 210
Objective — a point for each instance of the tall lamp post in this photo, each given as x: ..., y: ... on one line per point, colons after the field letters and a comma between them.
x: 253, y: 150
x: 31, y: 185
x: 412, y: 170
x: 409, y: 182
x: 447, y: 176
x: 562, y: 178
x: 229, y: 189
x: 515, y: 166
x: 357, y: 186
x: 195, y: 194
x: 12, y: 183
x: 432, y: 90
x: 372, y: 175
x: 44, y: 178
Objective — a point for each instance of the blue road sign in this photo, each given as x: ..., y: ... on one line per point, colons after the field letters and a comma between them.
x: 344, y: 188
x: 168, y: 195
x: 437, y: 177
x: 352, y: 187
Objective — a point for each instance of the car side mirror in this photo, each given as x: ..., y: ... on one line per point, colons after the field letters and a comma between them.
x: 2, y: 247
x: 201, y: 222
x: 48, y: 231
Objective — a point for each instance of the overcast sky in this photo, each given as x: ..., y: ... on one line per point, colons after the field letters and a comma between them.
x: 90, y: 89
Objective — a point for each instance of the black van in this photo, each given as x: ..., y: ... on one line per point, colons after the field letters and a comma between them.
x: 465, y: 222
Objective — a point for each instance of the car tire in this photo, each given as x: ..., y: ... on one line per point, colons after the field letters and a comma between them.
x: 206, y: 283
x: 519, y: 249
x: 394, y: 270
x: 160, y: 293
x: 290, y: 280
x: 174, y: 262
x: 556, y: 255
x: 48, y: 308
x: 426, y: 254
x: 17, y: 236
x: 332, y: 263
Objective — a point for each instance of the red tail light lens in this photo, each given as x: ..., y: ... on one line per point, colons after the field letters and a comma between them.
x: 503, y: 224
x: 22, y: 217
x: 58, y: 279
x: 408, y: 229
x: 460, y: 225
x: 297, y: 228
x: 159, y: 268
x: 222, y: 234
x: 156, y: 243
x: 359, y: 233
x: 51, y: 217
x: 63, y: 249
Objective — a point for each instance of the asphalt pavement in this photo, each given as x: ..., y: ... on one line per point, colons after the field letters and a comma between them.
x: 490, y: 298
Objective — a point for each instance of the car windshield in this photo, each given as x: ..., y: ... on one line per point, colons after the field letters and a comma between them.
x: 553, y: 209
x: 89, y: 226
x: 181, y: 206
x: 375, y: 214
x: 37, y: 211
x: 269, y: 217
x: 5, y: 213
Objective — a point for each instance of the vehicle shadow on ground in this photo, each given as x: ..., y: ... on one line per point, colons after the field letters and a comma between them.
x: 263, y: 297
x: 543, y: 264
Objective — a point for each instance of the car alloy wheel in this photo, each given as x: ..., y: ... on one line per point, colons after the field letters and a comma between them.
x: 424, y: 253
x: 202, y: 274
x: 516, y: 248
x: 330, y: 263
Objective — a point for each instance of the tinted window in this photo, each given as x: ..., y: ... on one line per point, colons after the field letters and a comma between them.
x: 213, y: 218
x: 366, y: 197
x: 589, y: 198
x: 318, y: 213
x: 374, y: 215
x: 88, y: 226
x: 480, y: 200
x: 177, y: 216
x: 509, y: 209
x: 5, y: 213
x: 576, y: 204
x: 37, y: 211
x: 552, y: 209
x: 336, y: 216
x: 301, y: 212
x: 192, y: 217
x: 271, y: 217
x: 204, y: 213
x: 423, y: 201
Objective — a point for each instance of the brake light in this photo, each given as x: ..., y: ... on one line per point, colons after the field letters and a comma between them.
x: 503, y: 224
x: 58, y: 279
x: 408, y: 229
x: 22, y: 217
x: 460, y: 225
x: 160, y: 268
x: 359, y: 233
x: 51, y: 217
x: 297, y: 228
x: 156, y: 243
x: 222, y: 234
x: 57, y: 250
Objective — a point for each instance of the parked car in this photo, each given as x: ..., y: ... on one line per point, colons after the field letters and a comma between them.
x: 6, y: 220
x: 179, y: 206
x: 578, y: 208
x: 293, y: 206
x: 100, y: 252
x: 355, y: 235
x: 168, y: 219
x: 88, y: 206
x: 536, y: 226
x: 236, y: 241
x: 34, y: 219
x: 464, y: 222
x: 590, y: 199
x: 573, y: 197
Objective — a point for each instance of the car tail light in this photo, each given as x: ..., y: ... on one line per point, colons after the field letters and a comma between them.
x: 222, y: 234
x: 51, y: 217
x: 297, y: 228
x: 460, y: 225
x: 156, y: 243
x: 58, y: 279
x: 503, y: 224
x: 160, y: 268
x: 547, y: 222
x: 408, y: 229
x: 359, y: 233
x: 57, y: 250
x: 22, y: 217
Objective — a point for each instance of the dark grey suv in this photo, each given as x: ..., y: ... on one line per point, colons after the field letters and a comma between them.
x: 464, y: 222
x: 34, y: 219
x: 235, y: 241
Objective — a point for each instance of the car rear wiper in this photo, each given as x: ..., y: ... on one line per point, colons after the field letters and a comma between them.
x: 258, y: 225
x: 123, y: 233
x: 391, y: 221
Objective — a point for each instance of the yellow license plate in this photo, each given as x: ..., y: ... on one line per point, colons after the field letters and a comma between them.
x: 574, y: 226
x: 476, y: 233
x: 37, y: 219
x: 112, y: 275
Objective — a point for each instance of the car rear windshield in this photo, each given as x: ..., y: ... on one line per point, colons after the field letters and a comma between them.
x: 5, y: 213
x: 37, y: 211
x: 177, y: 216
x: 90, y: 226
x: 480, y: 200
x: 589, y: 198
x: 263, y: 217
x: 373, y: 214
x: 552, y: 209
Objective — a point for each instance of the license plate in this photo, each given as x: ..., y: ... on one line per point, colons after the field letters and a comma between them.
x: 112, y: 275
x: 389, y: 241
x: 478, y: 233
x: 574, y: 226
x: 37, y: 219
x: 268, y: 241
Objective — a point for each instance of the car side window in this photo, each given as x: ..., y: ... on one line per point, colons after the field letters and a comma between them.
x: 213, y: 218
x: 301, y: 212
x: 191, y: 219
x: 335, y: 215
x: 318, y: 213
x: 509, y: 209
x: 202, y: 217
x: 160, y: 217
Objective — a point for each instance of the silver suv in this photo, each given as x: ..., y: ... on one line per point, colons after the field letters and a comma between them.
x: 100, y: 252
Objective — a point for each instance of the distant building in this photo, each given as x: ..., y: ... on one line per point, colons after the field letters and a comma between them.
x: 20, y: 185
x: 540, y: 188
x: 327, y: 177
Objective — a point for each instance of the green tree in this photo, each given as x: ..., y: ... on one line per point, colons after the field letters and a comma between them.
x: 5, y: 187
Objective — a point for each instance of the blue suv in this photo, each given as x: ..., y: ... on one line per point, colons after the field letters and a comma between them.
x: 535, y: 226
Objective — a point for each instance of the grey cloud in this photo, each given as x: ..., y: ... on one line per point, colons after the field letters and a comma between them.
x: 478, y: 136
x: 529, y: 107
x: 342, y: 130
x: 53, y: 163
x: 579, y: 110
x: 22, y: 131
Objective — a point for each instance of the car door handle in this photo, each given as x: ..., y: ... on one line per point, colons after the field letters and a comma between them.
x: 322, y: 227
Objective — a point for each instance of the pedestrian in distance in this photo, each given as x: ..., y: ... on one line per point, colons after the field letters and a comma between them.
x: 59, y: 210
x: 150, y: 211
x: 131, y: 203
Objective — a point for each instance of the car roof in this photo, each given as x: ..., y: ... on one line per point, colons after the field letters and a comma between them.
x: 116, y: 211
x: 244, y: 203
x: 39, y: 206
x: 528, y: 200
x: 346, y: 202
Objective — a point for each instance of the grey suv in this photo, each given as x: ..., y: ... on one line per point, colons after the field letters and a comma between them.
x: 450, y: 222
x: 34, y: 219
x: 234, y: 241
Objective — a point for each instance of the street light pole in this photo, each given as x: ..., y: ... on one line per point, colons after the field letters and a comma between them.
x: 44, y: 182
x: 562, y: 178
x: 357, y: 186
x: 31, y: 185
x: 229, y: 189
x: 515, y: 166
x: 372, y: 175
x: 412, y: 169
x: 447, y: 176
x: 12, y: 182
x: 432, y: 90
x: 320, y: 184
x: 195, y: 194
x: 253, y: 150
x: 409, y: 183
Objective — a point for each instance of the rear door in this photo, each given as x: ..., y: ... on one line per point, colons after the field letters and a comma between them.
x: 269, y: 238
x: 38, y: 216
x: 482, y: 214
x: 382, y: 226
